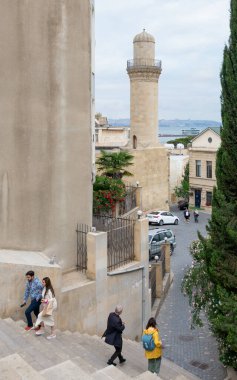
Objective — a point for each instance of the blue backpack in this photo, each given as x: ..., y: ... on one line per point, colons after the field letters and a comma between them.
x: 148, y: 342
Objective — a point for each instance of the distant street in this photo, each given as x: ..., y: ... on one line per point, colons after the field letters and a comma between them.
x: 194, y: 350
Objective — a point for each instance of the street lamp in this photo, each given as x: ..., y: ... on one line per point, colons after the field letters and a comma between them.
x: 139, y: 214
x: 156, y: 258
x: 137, y: 183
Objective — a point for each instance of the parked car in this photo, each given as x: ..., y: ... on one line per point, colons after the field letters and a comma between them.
x: 183, y: 204
x: 162, y: 217
x: 157, y: 237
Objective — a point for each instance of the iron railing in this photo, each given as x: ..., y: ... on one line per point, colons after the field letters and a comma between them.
x: 143, y: 62
x: 82, y: 231
x: 120, y: 239
x: 130, y: 200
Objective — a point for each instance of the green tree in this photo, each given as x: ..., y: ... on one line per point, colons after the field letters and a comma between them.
x: 182, y: 191
x: 181, y: 140
x: 211, y: 283
x: 114, y: 164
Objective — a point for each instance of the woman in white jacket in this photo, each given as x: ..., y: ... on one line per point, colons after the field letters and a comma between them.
x: 48, y: 301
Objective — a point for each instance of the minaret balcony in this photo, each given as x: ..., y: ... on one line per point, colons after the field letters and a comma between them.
x: 143, y: 63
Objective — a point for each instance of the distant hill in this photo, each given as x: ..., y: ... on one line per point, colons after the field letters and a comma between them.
x: 172, y: 123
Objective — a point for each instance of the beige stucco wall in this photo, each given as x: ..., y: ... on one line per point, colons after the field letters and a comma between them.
x: 112, y: 137
x: 13, y: 267
x: 45, y: 125
x: 151, y: 170
x: 201, y: 141
x: 177, y: 166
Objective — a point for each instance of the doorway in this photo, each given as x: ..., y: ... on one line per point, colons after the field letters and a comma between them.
x: 197, y: 198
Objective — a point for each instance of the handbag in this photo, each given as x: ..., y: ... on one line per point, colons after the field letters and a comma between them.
x: 47, y: 310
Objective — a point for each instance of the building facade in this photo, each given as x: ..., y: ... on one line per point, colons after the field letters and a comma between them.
x: 202, y: 167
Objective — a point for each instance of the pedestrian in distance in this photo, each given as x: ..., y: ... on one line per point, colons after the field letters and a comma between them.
x: 49, y: 302
x: 113, y: 334
x: 153, y: 346
x: 33, y: 290
x: 196, y: 215
x: 187, y: 215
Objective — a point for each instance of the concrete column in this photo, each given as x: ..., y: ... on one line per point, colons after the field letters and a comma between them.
x: 159, y: 279
x: 139, y: 197
x: 141, y: 240
x: 97, y: 270
x: 167, y: 257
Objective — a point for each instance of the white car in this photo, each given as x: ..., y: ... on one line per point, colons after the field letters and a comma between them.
x: 162, y: 217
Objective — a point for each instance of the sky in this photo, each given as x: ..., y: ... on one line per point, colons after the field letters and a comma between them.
x: 190, y: 37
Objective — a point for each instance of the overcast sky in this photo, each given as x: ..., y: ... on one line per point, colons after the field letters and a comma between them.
x: 190, y: 36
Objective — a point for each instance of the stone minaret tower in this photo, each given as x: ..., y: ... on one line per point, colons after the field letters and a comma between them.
x: 144, y: 71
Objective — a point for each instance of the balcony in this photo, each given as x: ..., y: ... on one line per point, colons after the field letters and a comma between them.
x: 143, y: 63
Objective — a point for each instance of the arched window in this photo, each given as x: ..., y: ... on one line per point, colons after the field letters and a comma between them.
x: 134, y: 142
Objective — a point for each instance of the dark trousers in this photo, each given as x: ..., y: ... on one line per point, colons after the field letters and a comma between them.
x: 34, y: 306
x: 117, y: 353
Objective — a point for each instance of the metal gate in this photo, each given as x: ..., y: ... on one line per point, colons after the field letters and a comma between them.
x: 120, y: 239
x: 82, y: 231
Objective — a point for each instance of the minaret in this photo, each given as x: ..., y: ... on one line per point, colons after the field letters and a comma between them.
x: 144, y: 71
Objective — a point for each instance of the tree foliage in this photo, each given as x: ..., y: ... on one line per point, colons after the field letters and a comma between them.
x: 211, y: 282
x: 181, y: 140
x: 182, y: 191
x: 114, y: 164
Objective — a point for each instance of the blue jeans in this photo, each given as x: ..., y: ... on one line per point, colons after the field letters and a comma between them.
x: 34, y: 306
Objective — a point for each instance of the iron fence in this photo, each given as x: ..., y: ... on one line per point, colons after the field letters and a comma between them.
x: 130, y: 200
x: 120, y: 239
x: 82, y: 231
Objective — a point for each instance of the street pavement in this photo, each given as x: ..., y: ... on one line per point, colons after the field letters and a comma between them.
x: 195, y: 350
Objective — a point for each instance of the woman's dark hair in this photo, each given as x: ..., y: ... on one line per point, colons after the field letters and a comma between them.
x: 151, y: 323
x: 48, y: 286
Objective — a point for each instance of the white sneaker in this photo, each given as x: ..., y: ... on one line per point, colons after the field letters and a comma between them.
x: 51, y: 336
x: 39, y: 332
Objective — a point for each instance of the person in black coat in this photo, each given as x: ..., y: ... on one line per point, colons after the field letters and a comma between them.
x: 113, y: 334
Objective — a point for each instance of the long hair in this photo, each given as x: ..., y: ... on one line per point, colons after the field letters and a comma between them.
x: 151, y: 323
x: 48, y: 286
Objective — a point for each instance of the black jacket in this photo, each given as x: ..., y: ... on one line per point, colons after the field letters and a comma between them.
x: 113, y: 333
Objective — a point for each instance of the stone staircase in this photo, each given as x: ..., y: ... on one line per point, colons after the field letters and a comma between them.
x: 23, y: 355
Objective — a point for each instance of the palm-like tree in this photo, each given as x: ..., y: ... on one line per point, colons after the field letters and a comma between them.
x: 114, y: 164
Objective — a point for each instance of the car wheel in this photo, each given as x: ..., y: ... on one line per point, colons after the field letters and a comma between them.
x: 176, y: 221
x: 161, y: 222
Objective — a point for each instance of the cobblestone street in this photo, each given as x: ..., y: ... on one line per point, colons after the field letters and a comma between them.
x: 195, y: 350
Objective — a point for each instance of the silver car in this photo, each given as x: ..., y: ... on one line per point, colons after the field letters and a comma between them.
x: 157, y: 237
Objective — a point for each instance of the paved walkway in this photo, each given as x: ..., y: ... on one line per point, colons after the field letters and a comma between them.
x: 195, y: 350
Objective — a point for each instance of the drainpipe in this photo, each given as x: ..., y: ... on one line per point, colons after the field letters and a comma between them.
x: 142, y: 268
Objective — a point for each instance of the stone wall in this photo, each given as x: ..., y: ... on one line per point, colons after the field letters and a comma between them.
x: 45, y: 125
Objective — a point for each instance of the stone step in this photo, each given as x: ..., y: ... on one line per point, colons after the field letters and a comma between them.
x: 66, y: 370
x: 148, y: 376
x: 29, y: 346
x: 89, y: 353
x: 110, y: 372
x: 14, y: 367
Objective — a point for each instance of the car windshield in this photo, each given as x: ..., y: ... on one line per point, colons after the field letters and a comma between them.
x: 150, y: 237
x: 154, y: 212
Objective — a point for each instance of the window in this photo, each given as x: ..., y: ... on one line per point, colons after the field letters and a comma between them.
x: 198, y: 168
x: 168, y: 234
x: 209, y: 139
x: 209, y: 198
x: 209, y: 169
